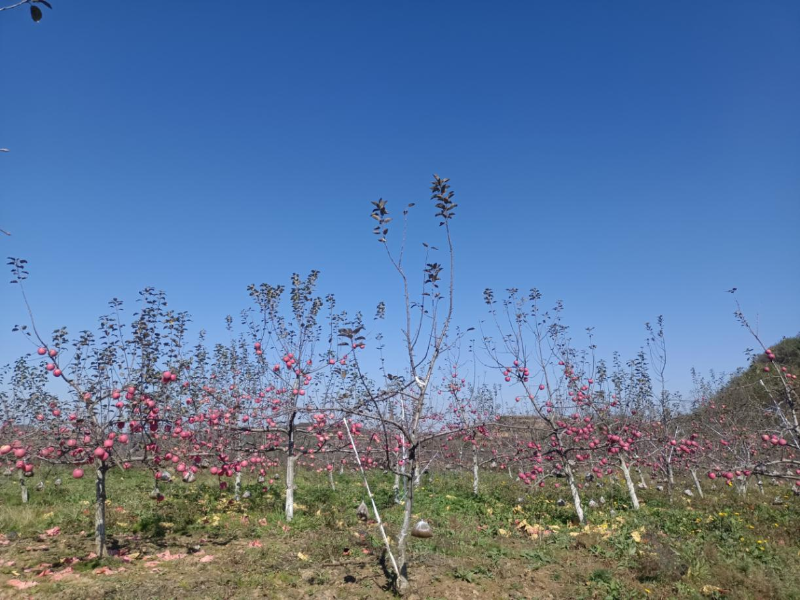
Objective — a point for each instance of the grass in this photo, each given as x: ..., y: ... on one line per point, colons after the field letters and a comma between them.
x: 492, y: 544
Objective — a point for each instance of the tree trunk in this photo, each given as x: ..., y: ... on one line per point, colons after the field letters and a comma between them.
x: 374, y: 506
x: 741, y: 485
x: 401, y: 585
x: 330, y: 479
x: 760, y: 485
x: 576, y: 496
x: 670, y: 479
x: 474, y: 470
x: 641, y: 478
x: 405, y: 480
x: 697, y: 484
x: 237, y: 487
x: 23, y: 488
x: 291, y: 459
x: 396, y: 487
x: 100, y: 509
x: 629, y: 482
x: 290, y: 465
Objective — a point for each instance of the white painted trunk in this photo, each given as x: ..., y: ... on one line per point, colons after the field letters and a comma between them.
x: 629, y: 482
x: 100, y: 511
x: 475, y: 480
x: 396, y: 488
x: 237, y: 486
x: 23, y: 488
x: 742, y: 487
x: 330, y: 479
x: 290, y: 467
x: 401, y: 585
x: 576, y: 496
x: 398, y: 572
x: 641, y: 478
x: 697, y: 484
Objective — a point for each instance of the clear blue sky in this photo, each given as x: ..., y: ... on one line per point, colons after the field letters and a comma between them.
x: 630, y: 158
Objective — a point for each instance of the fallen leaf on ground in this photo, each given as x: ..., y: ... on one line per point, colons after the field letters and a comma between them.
x: 711, y: 590
x: 21, y: 585
x: 167, y: 555
x: 59, y: 575
x: 107, y: 571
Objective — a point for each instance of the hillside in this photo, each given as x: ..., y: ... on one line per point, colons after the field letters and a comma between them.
x: 751, y: 390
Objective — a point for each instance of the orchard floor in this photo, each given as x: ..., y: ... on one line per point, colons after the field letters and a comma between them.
x: 509, y: 542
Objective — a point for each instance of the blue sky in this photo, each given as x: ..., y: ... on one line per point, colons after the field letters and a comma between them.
x: 629, y: 158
